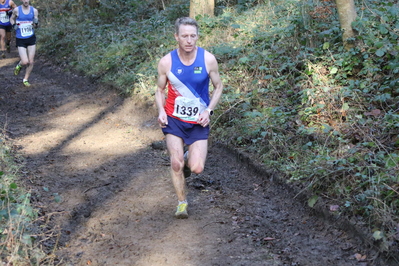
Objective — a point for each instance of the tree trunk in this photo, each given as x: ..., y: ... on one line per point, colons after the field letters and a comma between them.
x: 201, y: 7
x: 347, y: 14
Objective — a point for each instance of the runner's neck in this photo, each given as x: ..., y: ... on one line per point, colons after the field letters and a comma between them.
x: 26, y: 9
x: 187, y: 58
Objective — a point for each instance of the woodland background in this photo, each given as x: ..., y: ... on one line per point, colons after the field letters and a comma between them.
x: 324, y: 117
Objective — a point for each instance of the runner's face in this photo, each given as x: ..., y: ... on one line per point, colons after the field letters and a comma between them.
x: 187, y: 37
x: 25, y: 2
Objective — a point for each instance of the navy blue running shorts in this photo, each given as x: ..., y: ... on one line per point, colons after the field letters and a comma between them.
x: 6, y: 28
x: 190, y: 133
x: 26, y: 42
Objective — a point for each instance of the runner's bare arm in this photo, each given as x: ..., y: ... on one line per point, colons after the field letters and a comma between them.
x: 14, y: 16
x: 163, y: 68
x: 36, y: 14
x: 213, y: 72
x: 214, y: 75
x: 36, y: 18
x: 12, y: 4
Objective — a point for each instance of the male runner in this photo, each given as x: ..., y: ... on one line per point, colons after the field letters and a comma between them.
x: 6, y: 7
x: 184, y: 113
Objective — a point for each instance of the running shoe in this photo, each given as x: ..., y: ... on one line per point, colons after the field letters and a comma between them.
x: 3, y: 54
x: 17, y: 69
x: 181, y: 212
x: 186, y: 169
x: 26, y: 83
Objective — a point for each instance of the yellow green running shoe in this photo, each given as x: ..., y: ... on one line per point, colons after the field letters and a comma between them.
x: 17, y: 69
x: 26, y: 83
x: 181, y: 212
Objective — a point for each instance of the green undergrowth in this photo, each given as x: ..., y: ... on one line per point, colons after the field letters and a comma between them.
x: 325, y: 118
x: 21, y: 230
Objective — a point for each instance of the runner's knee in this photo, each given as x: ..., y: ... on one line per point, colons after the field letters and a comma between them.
x: 198, y: 168
x: 177, y: 165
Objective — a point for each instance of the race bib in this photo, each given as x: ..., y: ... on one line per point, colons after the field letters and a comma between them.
x: 187, y: 109
x: 26, y: 30
x: 4, y: 18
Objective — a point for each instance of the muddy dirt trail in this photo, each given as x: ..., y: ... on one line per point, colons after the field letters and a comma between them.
x: 98, y: 171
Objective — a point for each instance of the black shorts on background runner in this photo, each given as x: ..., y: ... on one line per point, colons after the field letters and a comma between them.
x: 26, y: 42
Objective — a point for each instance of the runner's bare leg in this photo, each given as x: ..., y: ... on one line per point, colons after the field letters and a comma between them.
x: 175, y: 148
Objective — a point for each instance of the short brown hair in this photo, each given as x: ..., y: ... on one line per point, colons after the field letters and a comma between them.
x: 185, y: 21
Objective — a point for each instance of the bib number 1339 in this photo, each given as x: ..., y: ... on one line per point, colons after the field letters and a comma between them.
x: 187, y: 109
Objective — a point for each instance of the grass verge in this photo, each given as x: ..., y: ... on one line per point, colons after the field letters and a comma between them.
x: 23, y: 235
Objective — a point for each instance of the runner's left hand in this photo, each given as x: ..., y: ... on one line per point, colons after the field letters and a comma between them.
x: 204, y: 119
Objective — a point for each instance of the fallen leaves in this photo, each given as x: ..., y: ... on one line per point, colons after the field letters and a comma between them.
x: 377, y: 235
x: 375, y: 113
x: 312, y: 201
x: 334, y: 208
x: 360, y: 258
